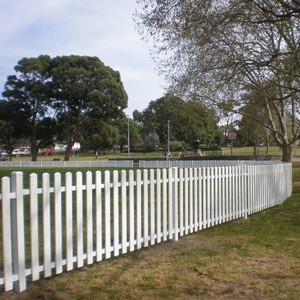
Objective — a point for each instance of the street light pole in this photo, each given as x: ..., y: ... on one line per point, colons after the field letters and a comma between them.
x: 168, y: 137
x: 128, y: 137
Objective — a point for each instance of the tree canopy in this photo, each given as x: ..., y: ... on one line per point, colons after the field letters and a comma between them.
x: 221, y: 49
x: 29, y: 99
x: 58, y: 96
x: 84, y: 88
x: 188, y: 120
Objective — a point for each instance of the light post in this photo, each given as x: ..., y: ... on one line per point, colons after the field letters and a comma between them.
x: 128, y: 137
x: 168, y: 137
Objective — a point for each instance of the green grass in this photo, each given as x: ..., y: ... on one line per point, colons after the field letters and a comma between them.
x: 248, y: 151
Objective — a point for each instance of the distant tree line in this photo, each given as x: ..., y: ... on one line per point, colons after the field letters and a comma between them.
x: 186, y: 122
x: 72, y: 99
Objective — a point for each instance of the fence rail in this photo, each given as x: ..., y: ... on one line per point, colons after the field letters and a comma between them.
x: 69, y: 221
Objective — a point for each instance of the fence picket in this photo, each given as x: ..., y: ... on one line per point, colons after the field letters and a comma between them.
x: 239, y: 192
x: 181, y: 199
x: 230, y: 186
x: 208, y: 203
x: 164, y: 176
x: 244, y: 193
x: 34, y: 226
x: 196, y: 224
x: 175, y: 203
x: 58, y: 223
x: 18, y: 233
x: 200, y: 198
x: 191, y: 200
x: 7, y: 234
x: 124, y: 211
x: 204, y: 193
x: 186, y: 200
x: 152, y: 208
x: 99, y: 227
x: 79, y: 219
x: 47, y: 225
x: 158, y: 206
x: 107, y: 215
x: 131, y: 212
x: 69, y: 221
x: 170, y: 203
x: 145, y: 207
x: 116, y: 212
x: 139, y: 206
x: 89, y: 218
x: 213, y: 185
x: 236, y: 193
x: 219, y: 197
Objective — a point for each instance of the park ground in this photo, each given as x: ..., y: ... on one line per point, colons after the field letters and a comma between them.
x: 254, y: 258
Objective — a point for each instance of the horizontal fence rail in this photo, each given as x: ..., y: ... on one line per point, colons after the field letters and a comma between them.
x: 69, y: 164
x: 59, y: 223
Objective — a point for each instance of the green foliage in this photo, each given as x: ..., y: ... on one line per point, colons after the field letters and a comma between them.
x: 189, y: 120
x: 54, y: 98
x: 85, y: 89
x: 29, y: 101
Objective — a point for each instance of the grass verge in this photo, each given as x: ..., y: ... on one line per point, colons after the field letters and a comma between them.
x: 257, y: 258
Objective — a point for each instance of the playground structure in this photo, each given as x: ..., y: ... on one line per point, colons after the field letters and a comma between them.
x: 49, y: 152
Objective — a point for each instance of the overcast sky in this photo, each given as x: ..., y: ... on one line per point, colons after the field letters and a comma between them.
x: 102, y: 28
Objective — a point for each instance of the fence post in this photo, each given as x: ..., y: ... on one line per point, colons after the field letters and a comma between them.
x: 18, y: 239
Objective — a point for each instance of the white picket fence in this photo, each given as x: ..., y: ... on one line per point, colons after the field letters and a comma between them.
x: 202, y: 163
x: 66, y: 222
x: 68, y: 164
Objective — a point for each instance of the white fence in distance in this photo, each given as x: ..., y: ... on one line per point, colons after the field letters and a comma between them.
x: 69, y: 164
x: 66, y: 222
x: 201, y: 163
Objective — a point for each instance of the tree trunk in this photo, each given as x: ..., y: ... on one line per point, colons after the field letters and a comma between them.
x: 34, y: 153
x: 268, y: 147
x: 33, y: 146
x: 287, y: 153
x: 68, y: 151
x: 254, y: 150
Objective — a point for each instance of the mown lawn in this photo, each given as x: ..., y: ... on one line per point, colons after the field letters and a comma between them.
x: 257, y: 258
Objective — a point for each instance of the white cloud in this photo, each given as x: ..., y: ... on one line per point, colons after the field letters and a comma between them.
x: 85, y: 27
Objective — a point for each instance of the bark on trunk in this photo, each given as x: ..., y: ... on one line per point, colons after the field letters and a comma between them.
x: 33, y: 147
x: 34, y: 153
x: 287, y: 153
x: 254, y: 150
x: 68, y: 152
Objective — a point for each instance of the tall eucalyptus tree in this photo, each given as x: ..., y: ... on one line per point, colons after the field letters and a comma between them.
x: 29, y: 99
